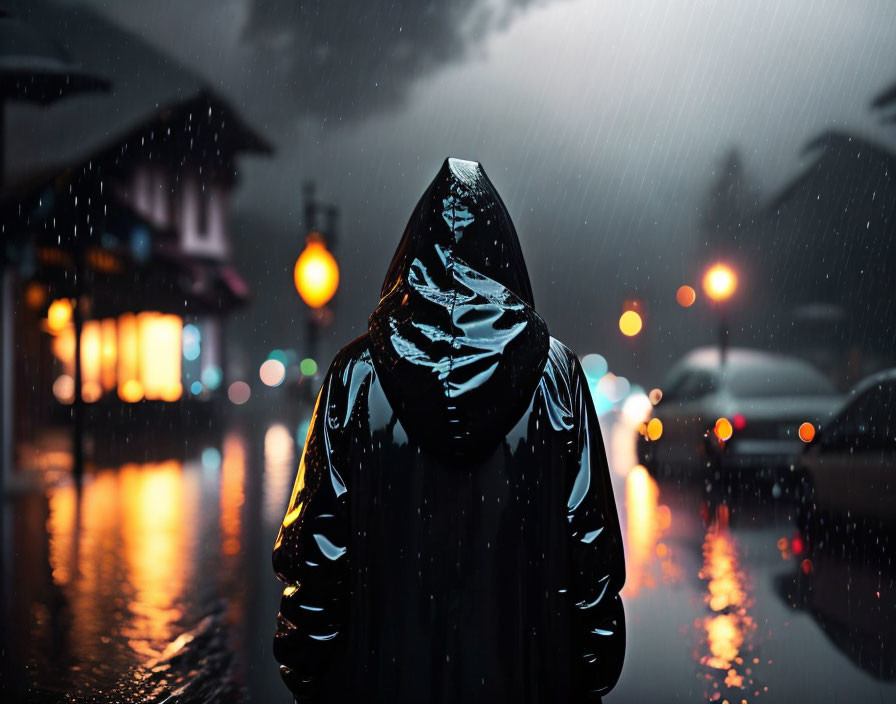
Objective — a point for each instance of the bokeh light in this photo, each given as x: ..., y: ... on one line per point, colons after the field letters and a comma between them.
x: 272, y: 372
x: 211, y: 458
x: 196, y: 388
x: 719, y: 282
x: 723, y: 429
x: 686, y: 295
x: 656, y: 395
x: 636, y: 407
x: 64, y: 388
x: 308, y: 367
x: 212, y: 377
x: 239, y: 392
x: 59, y: 314
x: 35, y: 295
x: 280, y: 356
x: 655, y: 429
x: 807, y: 432
x: 191, y: 340
x: 630, y: 323
x: 131, y: 391
x: 594, y: 366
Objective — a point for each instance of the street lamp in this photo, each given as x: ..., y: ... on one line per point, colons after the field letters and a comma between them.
x: 316, y: 277
x: 316, y: 273
x: 719, y: 284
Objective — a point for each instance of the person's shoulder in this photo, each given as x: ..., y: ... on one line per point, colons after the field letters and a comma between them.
x: 559, y: 377
x: 358, y: 350
x: 561, y: 356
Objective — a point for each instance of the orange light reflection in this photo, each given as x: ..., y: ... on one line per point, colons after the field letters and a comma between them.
x: 646, y: 522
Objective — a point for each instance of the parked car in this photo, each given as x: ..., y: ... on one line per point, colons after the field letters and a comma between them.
x: 763, y: 397
x: 849, y: 593
x: 850, y: 468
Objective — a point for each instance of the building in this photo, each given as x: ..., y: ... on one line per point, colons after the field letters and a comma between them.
x: 122, y: 252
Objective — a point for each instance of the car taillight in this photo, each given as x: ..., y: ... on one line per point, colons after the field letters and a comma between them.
x: 740, y: 421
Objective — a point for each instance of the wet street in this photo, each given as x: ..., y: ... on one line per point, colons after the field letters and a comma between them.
x: 154, y: 584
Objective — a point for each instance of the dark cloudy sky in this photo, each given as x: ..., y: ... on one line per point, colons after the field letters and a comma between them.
x: 600, y: 123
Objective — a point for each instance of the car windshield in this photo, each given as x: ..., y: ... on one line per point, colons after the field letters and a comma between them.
x: 785, y: 378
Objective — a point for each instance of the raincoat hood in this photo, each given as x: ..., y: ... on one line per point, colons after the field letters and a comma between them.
x: 455, y: 339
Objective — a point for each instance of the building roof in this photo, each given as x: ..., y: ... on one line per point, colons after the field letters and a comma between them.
x: 146, y: 84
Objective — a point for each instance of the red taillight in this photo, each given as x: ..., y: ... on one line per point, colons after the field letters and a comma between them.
x: 740, y: 421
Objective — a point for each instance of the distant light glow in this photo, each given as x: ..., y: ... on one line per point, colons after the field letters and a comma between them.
x: 272, y: 372
x: 594, y: 366
x: 59, y: 314
x: 196, y: 388
x: 91, y: 361
x: 686, y: 295
x: 655, y: 429
x: 308, y: 367
x: 636, y: 408
x: 807, y: 432
x: 91, y: 391
x: 160, y: 341
x: 656, y: 395
x: 191, y: 342
x: 239, y: 392
x: 614, y: 388
x: 719, y: 282
x: 739, y: 421
x: 212, y: 377
x: 280, y: 355
x: 64, y: 388
x: 131, y: 391
x: 723, y: 429
x: 630, y: 323
x: 35, y: 295
x: 211, y: 458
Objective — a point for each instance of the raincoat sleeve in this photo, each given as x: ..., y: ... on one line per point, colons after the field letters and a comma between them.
x: 596, y: 553
x: 310, y: 553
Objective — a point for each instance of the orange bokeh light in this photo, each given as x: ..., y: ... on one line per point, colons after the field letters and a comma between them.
x: 655, y: 429
x: 723, y: 429
x: 807, y: 432
x: 59, y: 314
x: 630, y: 323
x: 686, y: 295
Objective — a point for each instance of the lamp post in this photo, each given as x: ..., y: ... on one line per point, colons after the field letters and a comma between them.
x: 316, y: 273
x: 719, y: 284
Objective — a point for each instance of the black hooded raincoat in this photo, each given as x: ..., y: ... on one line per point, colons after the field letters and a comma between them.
x: 452, y: 534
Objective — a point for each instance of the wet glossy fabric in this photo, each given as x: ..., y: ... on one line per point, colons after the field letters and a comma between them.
x: 478, y: 560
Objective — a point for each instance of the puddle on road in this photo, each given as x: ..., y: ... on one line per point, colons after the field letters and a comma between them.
x: 728, y: 652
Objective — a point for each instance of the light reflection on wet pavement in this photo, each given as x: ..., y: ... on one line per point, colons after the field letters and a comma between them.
x: 156, y: 583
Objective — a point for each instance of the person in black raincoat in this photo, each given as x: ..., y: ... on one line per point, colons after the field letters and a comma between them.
x: 452, y: 534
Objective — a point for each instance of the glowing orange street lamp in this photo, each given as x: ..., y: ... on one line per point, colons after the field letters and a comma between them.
x: 719, y: 284
x: 316, y: 273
